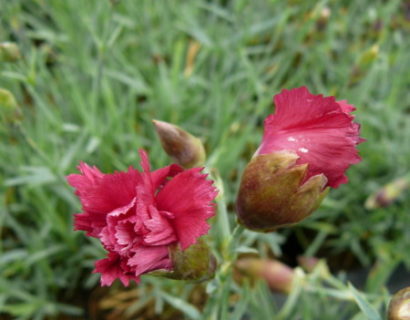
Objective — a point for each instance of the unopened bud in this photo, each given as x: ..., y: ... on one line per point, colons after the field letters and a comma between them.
x: 9, y: 109
x: 308, y: 263
x: 399, y: 307
x: 323, y: 18
x: 387, y: 194
x: 362, y: 66
x: 278, y: 276
x: 185, y: 149
x: 9, y: 52
x: 195, y: 263
x: 369, y: 55
x: 273, y: 192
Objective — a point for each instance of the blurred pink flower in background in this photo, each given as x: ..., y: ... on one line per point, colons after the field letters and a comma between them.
x: 138, y: 216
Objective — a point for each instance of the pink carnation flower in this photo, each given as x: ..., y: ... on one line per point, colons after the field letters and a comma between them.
x: 320, y: 130
x: 138, y: 215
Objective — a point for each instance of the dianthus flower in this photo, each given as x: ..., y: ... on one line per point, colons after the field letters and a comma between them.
x: 140, y: 217
x: 308, y: 144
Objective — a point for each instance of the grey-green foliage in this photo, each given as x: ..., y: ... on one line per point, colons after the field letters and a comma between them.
x: 92, y: 76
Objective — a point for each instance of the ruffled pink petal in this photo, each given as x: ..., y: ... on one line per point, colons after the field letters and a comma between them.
x: 101, y: 193
x: 89, y: 175
x: 118, y: 189
x: 157, y: 178
x: 111, y: 268
x: 146, y: 190
x: 189, y: 197
x: 113, y: 219
x: 147, y: 259
x: 145, y: 165
x: 345, y: 106
x: 92, y: 224
x: 159, y: 229
x: 318, y: 129
x: 160, y: 177
x: 125, y: 233
x: 153, y: 181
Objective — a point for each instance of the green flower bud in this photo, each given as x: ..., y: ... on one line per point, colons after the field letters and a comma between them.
x: 272, y: 192
x: 399, y: 307
x: 185, y: 149
x: 9, y: 52
x: 9, y: 108
x: 195, y: 263
x: 387, y: 194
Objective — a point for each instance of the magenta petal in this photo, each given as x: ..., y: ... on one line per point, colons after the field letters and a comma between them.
x: 111, y: 269
x: 160, y: 231
x: 345, y: 106
x: 125, y: 233
x: 114, y: 218
x: 101, y: 193
x: 89, y: 175
x: 147, y: 259
x: 118, y: 189
x: 93, y: 224
x: 146, y: 190
x: 145, y: 165
x: 159, y: 177
x: 188, y: 196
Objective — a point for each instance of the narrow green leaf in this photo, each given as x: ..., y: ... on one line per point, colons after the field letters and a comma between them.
x: 182, y: 305
x: 369, y: 311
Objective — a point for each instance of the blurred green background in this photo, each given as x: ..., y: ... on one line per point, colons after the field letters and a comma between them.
x: 92, y: 74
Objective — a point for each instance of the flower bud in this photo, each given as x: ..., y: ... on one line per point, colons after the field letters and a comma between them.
x: 7, y: 99
x: 369, y: 56
x: 185, y: 149
x: 195, y: 263
x: 323, y: 18
x: 399, y: 307
x: 273, y: 192
x: 9, y: 52
x: 308, y: 144
x: 9, y: 108
x: 363, y: 64
x: 387, y: 194
x: 308, y: 263
x: 278, y: 276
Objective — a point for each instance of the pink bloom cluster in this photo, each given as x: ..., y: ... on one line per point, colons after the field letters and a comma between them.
x: 138, y: 215
x: 320, y: 130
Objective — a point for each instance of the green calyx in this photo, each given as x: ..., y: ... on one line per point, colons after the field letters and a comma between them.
x: 195, y: 263
x: 272, y: 192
